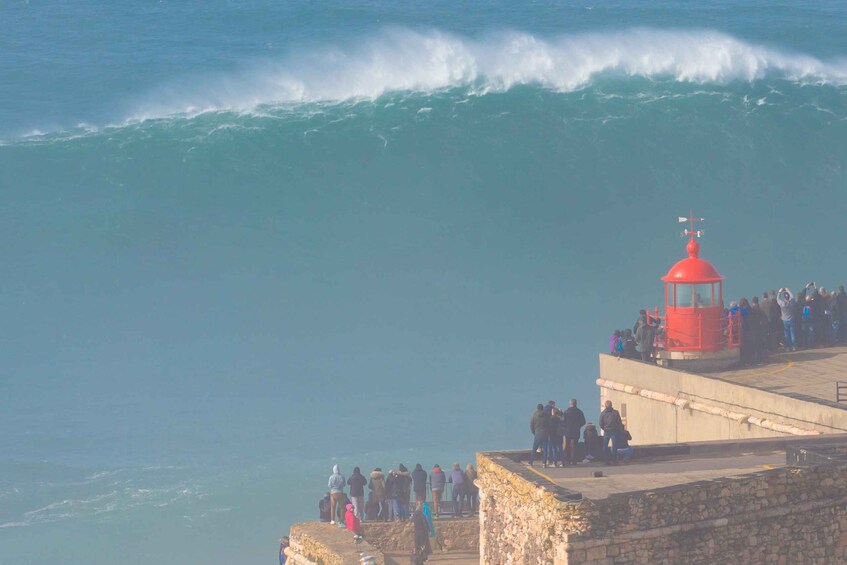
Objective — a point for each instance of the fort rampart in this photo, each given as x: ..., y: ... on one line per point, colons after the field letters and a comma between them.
x: 782, y: 515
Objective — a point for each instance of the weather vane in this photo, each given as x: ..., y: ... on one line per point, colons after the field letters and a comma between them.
x: 691, y: 219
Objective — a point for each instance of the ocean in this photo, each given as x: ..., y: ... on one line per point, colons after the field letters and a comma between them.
x: 245, y: 240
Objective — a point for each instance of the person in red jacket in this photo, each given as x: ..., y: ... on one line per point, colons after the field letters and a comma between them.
x: 352, y: 521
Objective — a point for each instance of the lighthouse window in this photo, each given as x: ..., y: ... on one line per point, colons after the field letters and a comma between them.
x: 694, y: 295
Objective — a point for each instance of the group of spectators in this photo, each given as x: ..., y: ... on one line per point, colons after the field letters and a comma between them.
x: 556, y: 436
x: 813, y: 317
x: 390, y: 495
x: 637, y: 343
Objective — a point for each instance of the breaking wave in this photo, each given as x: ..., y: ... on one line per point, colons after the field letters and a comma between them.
x: 402, y: 60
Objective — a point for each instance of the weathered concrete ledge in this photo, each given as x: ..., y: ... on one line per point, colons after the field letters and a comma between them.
x: 661, y: 405
x: 316, y: 543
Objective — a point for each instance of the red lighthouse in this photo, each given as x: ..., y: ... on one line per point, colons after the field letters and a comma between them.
x: 698, y: 333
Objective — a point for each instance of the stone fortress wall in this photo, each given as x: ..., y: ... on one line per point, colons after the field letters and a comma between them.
x: 783, y: 515
x: 315, y: 543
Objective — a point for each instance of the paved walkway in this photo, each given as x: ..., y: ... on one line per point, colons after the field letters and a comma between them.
x: 656, y: 474
x: 810, y: 373
x: 458, y: 558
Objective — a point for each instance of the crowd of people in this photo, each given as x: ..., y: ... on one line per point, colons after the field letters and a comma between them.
x: 813, y: 317
x: 556, y: 435
x: 393, y: 495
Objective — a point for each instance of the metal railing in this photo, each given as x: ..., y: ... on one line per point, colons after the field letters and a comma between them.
x: 840, y: 391
x: 724, y: 332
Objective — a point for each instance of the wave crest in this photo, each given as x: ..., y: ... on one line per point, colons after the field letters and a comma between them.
x: 401, y: 60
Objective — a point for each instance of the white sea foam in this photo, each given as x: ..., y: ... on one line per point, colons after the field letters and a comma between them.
x: 402, y: 60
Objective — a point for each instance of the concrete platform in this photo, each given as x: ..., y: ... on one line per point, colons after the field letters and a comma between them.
x: 652, y: 474
x: 807, y: 375
x: 451, y: 558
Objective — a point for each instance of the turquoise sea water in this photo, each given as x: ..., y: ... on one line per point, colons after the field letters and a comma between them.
x: 245, y: 240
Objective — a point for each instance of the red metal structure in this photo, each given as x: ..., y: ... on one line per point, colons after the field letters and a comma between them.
x: 695, y: 319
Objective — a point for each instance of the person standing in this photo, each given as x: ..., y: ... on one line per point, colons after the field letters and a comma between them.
x: 357, y: 483
x: 557, y: 435
x: 645, y: 336
x: 437, y: 481
x: 458, y: 479
x: 573, y: 420
x: 336, y: 494
x: 405, y: 490
x: 471, y: 490
x: 419, y: 484
x: 612, y: 425
x: 377, y: 487
x: 393, y: 490
x: 422, y: 545
x: 787, y: 306
x: 539, y: 425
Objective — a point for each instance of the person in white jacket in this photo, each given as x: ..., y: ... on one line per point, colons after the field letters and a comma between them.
x: 787, y: 304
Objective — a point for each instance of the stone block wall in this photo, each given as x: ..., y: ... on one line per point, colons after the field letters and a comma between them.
x: 450, y: 535
x: 522, y: 520
x: 793, y: 514
x: 782, y: 516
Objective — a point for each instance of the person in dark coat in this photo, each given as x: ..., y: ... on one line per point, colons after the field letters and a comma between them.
x: 539, y: 425
x: 572, y: 421
x: 629, y: 349
x: 645, y: 337
x: 419, y: 484
x: 357, y: 482
x: 393, y: 491
x: 642, y: 320
x: 406, y: 490
x: 612, y: 426
x: 325, y: 508
x: 557, y: 437
x: 593, y: 445
x: 422, y: 546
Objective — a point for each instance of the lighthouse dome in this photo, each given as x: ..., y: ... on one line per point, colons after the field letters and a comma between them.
x: 693, y: 270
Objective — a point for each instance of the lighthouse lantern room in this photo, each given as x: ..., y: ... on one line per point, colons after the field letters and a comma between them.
x: 698, y: 332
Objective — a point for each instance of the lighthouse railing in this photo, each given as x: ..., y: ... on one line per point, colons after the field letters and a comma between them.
x: 692, y: 331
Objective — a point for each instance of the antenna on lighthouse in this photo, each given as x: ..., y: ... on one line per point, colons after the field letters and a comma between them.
x: 691, y: 232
